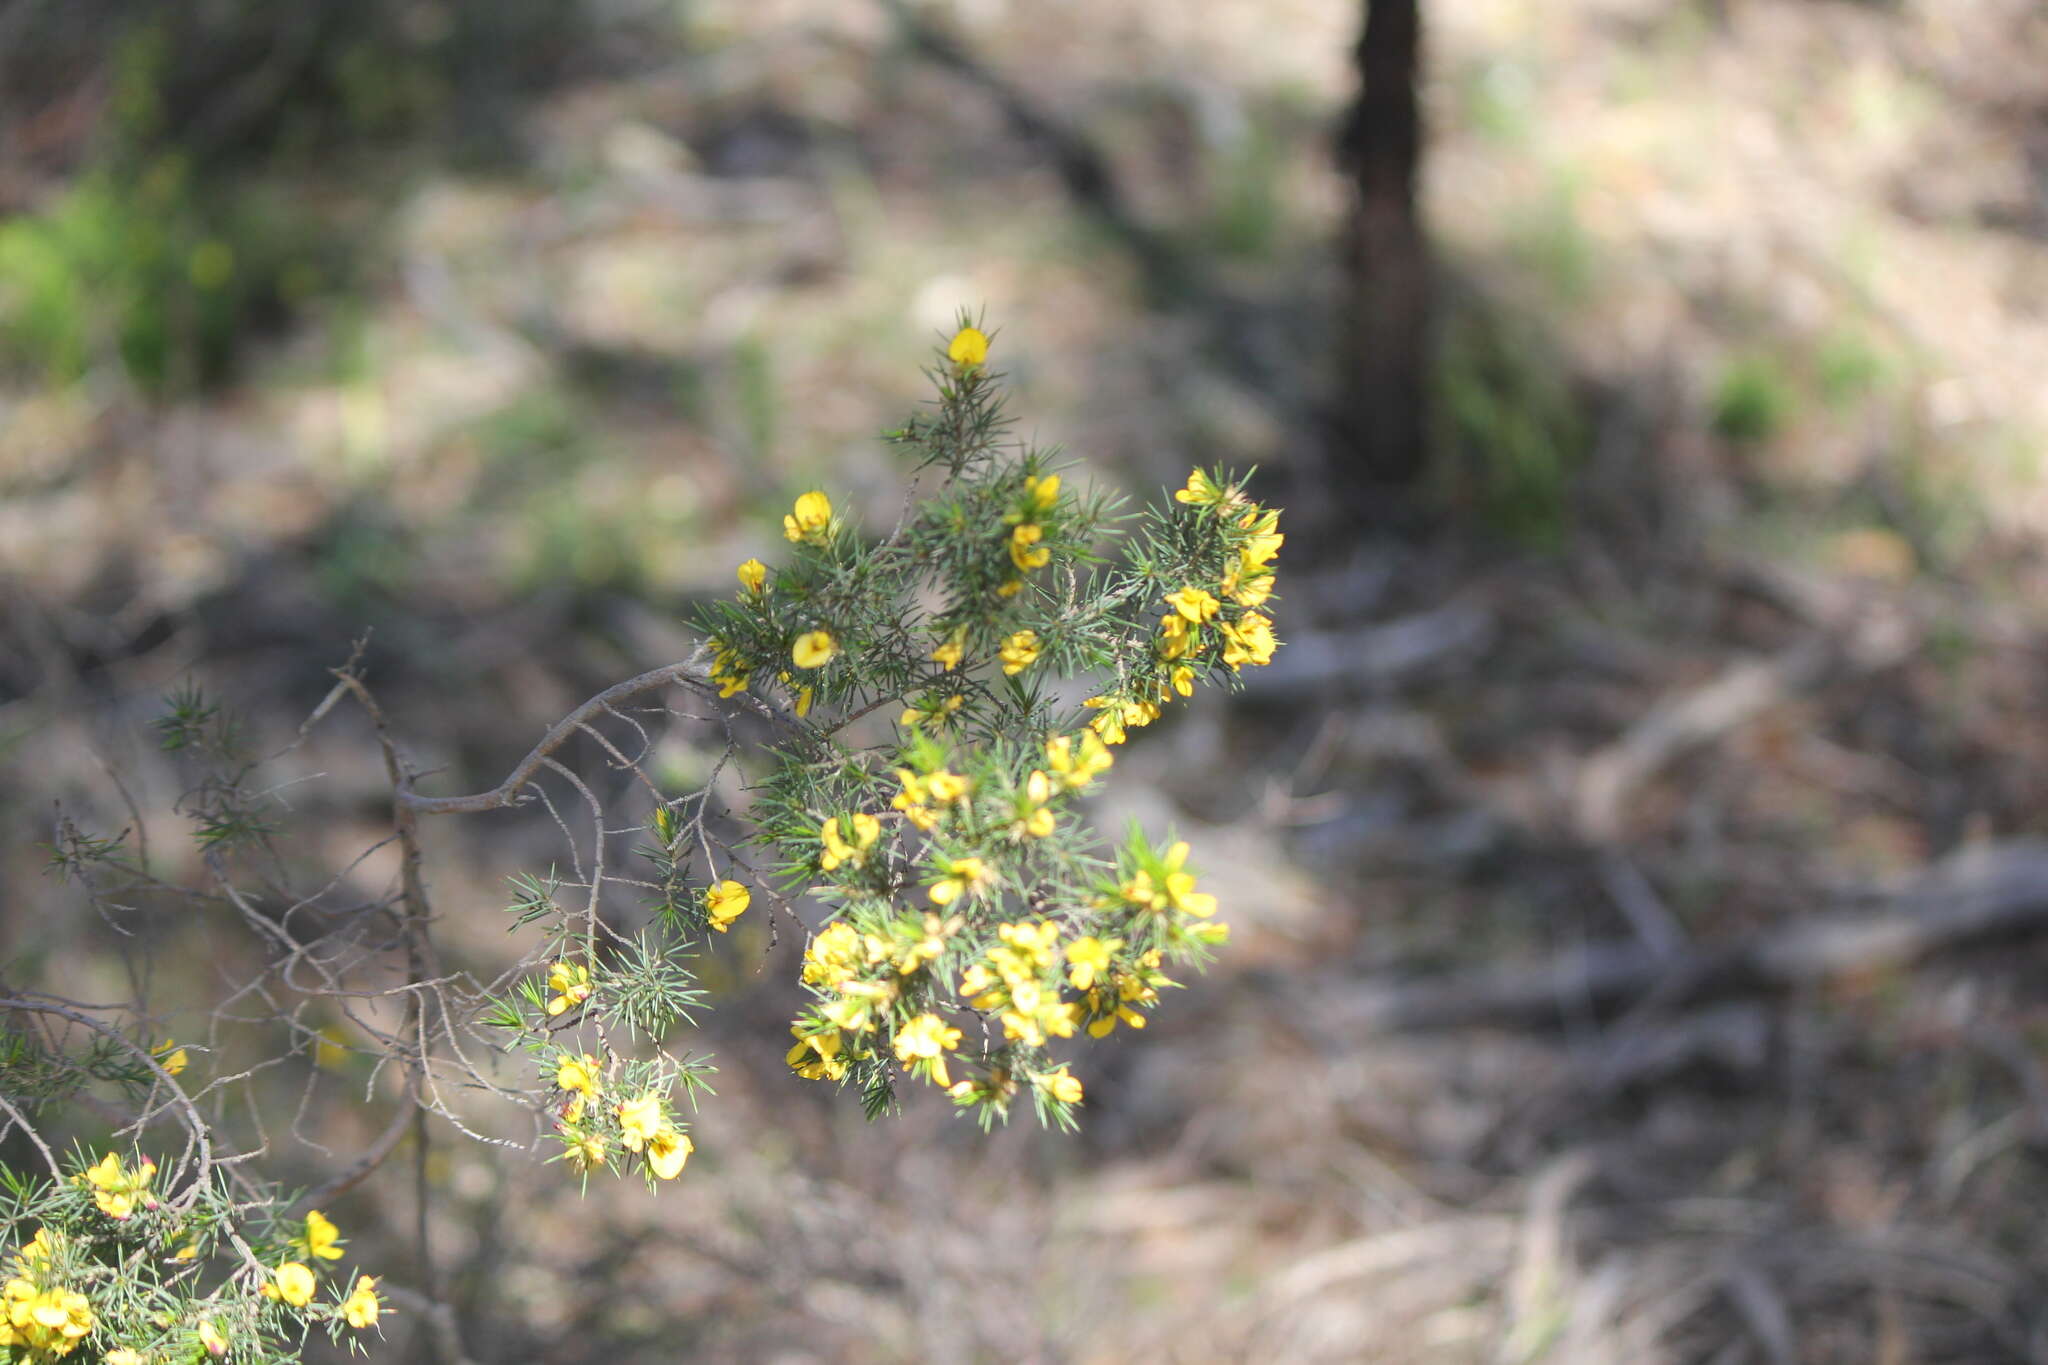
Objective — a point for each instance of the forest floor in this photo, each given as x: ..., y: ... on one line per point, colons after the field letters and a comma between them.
x: 1721, y: 622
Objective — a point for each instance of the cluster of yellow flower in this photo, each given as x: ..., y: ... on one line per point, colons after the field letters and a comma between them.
x: 570, y: 982
x: 117, y: 1190
x: 645, y: 1127
x: 1035, y: 501
x: 1166, y: 887
x: 294, y: 1284
x: 1245, y: 636
x: 808, y: 522
x: 1018, y: 979
x: 1112, y: 995
x: 863, y: 971
x: 42, y: 1320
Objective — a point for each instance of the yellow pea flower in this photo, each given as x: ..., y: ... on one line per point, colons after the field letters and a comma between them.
x: 211, y: 1337
x: 725, y: 903
x: 1184, y: 680
x: 1019, y: 651
x: 293, y: 1283
x: 1088, y: 959
x: 814, y: 649
x: 1195, y: 604
x: 1202, y: 491
x: 570, y: 982
x: 362, y: 1306
x: 838, y: 849
x: 641, y: 1119
x: 1041, y: 495
x: 667, y: 1151
x: 752, y: 575
x: 578, y: 1075
x: 1059, y: 1084
x: 946, y: 788
x: 322, y: 1240
x: 1010, y: 587
x: 928, y: 1039
x: 122, y: 1355
x: 968, y: 348
x: 961, y: 876
x: 1025, y: 551
x: 811, y: 515
x: 949, y: 654
x: 170, y: 1056
x: 587, y: 1152
x: 1077, y: 767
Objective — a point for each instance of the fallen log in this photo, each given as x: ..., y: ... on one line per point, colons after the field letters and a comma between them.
x: 1978, y: 896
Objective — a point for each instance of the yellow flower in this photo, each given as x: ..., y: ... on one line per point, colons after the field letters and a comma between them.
x: 728, y: 669
x: 578, y: 1075
x: 1077, y: 768
x: 1109, y: 725
x: 1060, y: 1085
x: 1019, y: 651
x: 361, y: 1307
x: 37, y: 1248
x: 1034, y: 819
x: 968, y: 348
x: 814, y: 649
x: 946, y: 788
x: 586, y: 1152
x: 667, y: 1151
x: 816, y: 1055
x: 1041, y: 495
x: 725, y: 903
x: 804, y: 695
x: 322, y: 1240
x: 948, y: 655
x: 570, y: 982
x: 292, y: 1282
x: 116, y: 1190
x: 927, y: 1039
x: 1088, y: 958
x: 1184, y: 680
x: 170, y: 1056
x: 1195, y: 604
x: 1249, y: 641
x: 911, y: 800
x: 1202, y: 490
x: 122, y: 1355
x: 1025, y: 551
x: 1174, y: 889
x: 812, y: 514
x: 48, y: 1322
x: 211, y: 1338
x: 1010, y: 587
x: 641, y: 1119
x: 962, y: 875
x: 753, y: 574
x: 866, y: 829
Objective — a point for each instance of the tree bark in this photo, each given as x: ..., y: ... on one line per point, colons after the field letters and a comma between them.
x: 1382, y: 403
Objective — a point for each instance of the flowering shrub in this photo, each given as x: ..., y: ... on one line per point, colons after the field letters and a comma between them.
x: 918, y: 716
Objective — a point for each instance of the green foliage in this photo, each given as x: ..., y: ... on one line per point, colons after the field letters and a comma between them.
x: 1752, y: 399
x: 1548, y: 239
x: 1848, y: 366
x: 1514, y: 422
x: 155, y: 275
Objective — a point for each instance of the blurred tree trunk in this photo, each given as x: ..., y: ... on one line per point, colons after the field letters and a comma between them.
x: 1382, y: 412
